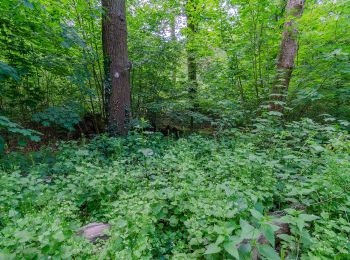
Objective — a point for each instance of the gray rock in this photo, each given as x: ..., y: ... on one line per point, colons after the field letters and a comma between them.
x: 94, y: 231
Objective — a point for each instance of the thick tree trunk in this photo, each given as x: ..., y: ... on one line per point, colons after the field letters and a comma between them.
x: 117, y: 67
x: 192, y: 26
x: 288, y: 52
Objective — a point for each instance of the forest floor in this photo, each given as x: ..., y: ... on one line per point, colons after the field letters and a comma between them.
x: 189, y: 198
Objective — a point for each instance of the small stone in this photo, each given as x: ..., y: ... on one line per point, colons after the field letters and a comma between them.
x: 94, y: 231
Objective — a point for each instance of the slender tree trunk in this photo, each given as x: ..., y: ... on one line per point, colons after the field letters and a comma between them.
x: 90, y: 61
x: 117, y: 67
x: 240, y: 86
x: 254, y: 57
x: 192, y: 26
x: 95, y: 40
x: 288, y: 52
x: 173, y: 39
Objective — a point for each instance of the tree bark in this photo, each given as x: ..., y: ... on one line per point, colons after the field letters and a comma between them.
x: 116, y: 67
x: 288, y: 52
x: 192, y: 26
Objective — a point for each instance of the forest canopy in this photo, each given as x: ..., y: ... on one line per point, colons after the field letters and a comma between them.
x: 52, y: 56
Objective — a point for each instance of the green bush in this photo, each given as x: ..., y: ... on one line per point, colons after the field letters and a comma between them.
x: 8, y: 127
x: 63, y: 117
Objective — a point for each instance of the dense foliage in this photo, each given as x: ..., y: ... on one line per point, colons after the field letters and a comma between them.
x: 195, y: 197
x: 234, y: 116
x: 51, y: 55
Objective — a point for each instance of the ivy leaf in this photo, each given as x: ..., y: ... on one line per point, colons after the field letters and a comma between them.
x: 212, y: 249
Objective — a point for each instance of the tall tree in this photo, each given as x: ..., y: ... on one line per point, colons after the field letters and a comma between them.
x: 192, y: 26
x: 117, y: 67
x: 288, y: 52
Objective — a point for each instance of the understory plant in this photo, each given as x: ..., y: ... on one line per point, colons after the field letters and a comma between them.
x: 192, y: 198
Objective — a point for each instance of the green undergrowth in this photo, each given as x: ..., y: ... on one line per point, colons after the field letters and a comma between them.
x: 192, y: 198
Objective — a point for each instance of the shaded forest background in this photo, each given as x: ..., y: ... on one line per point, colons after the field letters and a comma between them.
x: 52, y: 62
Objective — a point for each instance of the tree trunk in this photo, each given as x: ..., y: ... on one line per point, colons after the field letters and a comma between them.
x: 173, y: 39
x: 288, y: 52
x: 192, y: 26
x: 116, y: 67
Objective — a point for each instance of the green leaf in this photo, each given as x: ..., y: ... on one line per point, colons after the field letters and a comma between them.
x: 173, y: 221
x: 35, y: 138
x: 317, y: 148
x: 82, y: 152
x: 268, y: 233
x: 23, y: 236
x: 59, y: 236
x: 219, y: 240
x: 245, y: 248
x: 121, y: 223
x: 256, y: 214
x: 247, y: 230
x: 268, y: 252
x: 300, y: 224
x: 307, y: 217
x: 22, y: 143
x: 46, y: 123
x: 275, y: 113
x: 305, y: 238
x: 212, y: 249
x: 286, y: 237
x: 6, y: 255
x: 231, y: 248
